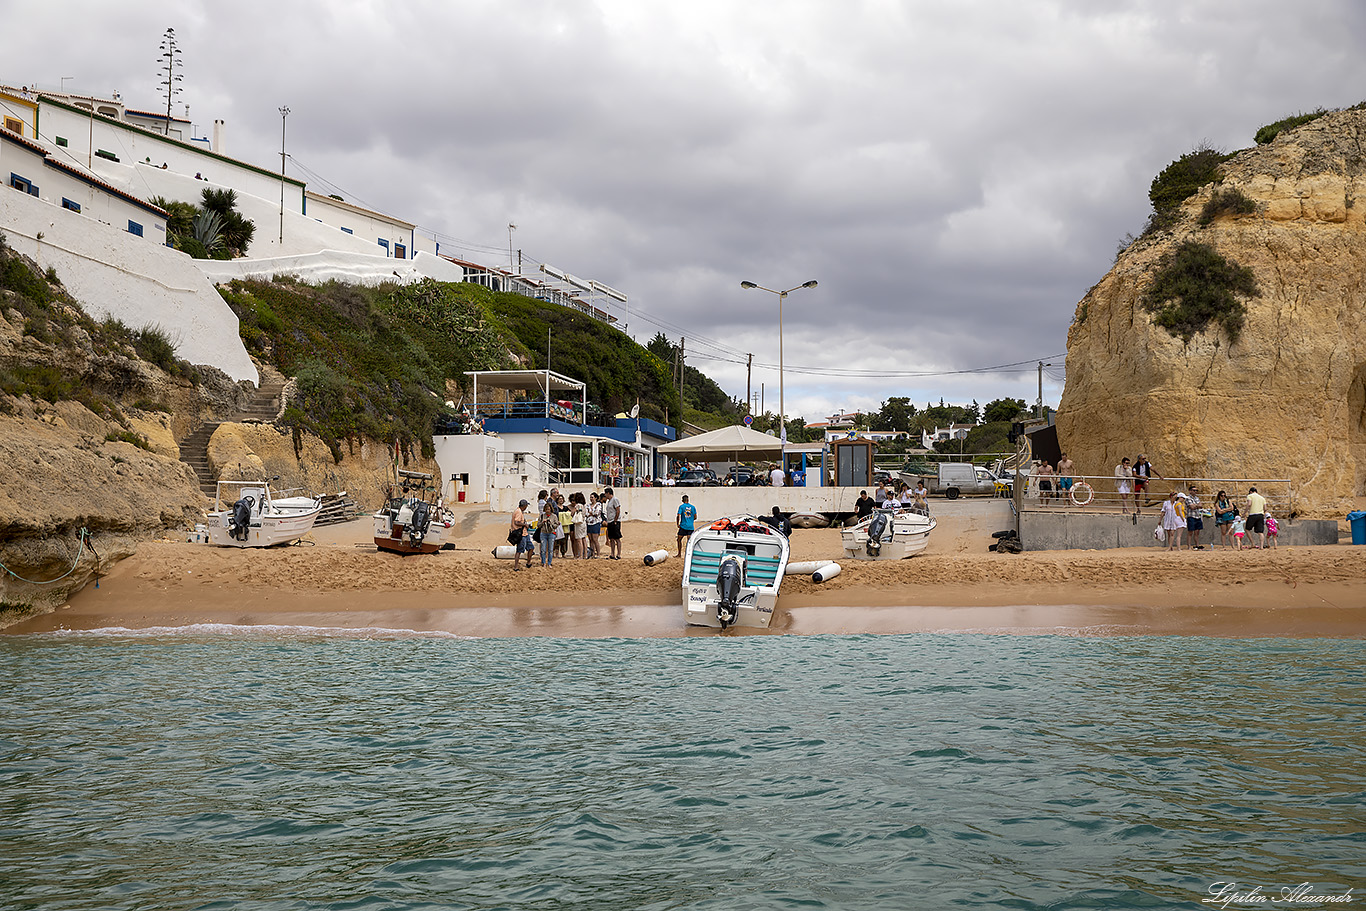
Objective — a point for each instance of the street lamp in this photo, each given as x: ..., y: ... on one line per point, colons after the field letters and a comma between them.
x: 782, y: 414
x: 284, y: 112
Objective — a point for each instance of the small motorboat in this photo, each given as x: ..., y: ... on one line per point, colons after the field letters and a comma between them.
x: 257, y: 517
x: 731, y: 573
x: 412, y: 519
x: 888, y: 534
x: 809, y: 520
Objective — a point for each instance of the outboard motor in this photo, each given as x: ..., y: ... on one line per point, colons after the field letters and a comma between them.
x: 417, y: 528
x: 240, y: 524
x: 728, y: 584
x: 876, y: 528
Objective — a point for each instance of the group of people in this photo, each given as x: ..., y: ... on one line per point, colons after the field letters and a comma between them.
x: 569, y: 526
x: 1182, y: 515
x: 1055, y: 481
x: 887, y: 496
x: 1132, y: 481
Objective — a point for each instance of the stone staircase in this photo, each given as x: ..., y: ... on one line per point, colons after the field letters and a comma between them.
x: 194, y: 449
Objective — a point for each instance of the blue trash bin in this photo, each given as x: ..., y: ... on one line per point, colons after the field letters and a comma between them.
x: 1357, y: 519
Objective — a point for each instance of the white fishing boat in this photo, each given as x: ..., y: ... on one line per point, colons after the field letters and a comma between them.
x: 258, y: 518
x: 731, y: 573
x: 412, y: 519
x: 888, y: 535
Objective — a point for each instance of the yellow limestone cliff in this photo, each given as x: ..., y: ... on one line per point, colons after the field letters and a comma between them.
x: 1287, y: 399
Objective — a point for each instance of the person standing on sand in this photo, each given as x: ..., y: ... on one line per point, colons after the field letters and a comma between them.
x: 549, y: 530
x: 1195, y: 523
x: 687, y: 515
x: 1224, y: 513
x: 1124, y: 482
x: 579, y: 517
x: 594, y: 510
x: 1256, y: 516
x: 517, y: 534
x: 1172, y: 523
x: 611, y: 515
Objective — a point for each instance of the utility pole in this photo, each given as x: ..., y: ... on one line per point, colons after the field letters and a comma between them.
x: 1041, y: 366
x: 512, y: 263
x: 749, y: 372
x: 761, y: 398
x: 682, y: 359
x: 284, y: 112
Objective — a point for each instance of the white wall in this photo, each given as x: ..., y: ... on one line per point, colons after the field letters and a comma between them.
x: 85, y: 134
x: 473, y: 454
x: 114, y: 273
x: 370, y: 226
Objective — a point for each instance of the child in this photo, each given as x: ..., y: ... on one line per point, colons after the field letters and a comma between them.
x: 1272, y: 529
x: 1239, y: 529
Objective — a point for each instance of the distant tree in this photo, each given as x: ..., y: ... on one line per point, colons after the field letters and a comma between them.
x: 896, y: 413
x: 1003, y: 410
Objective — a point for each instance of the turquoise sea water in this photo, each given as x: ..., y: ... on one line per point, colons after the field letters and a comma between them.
x: 227, y: 769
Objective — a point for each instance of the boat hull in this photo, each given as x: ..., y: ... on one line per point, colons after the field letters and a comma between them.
x: 910, y: 533
x: 393, y: 537
x: 264, y: 531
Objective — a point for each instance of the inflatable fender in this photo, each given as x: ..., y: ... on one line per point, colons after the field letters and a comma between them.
x: 826, y: 573
x: 804, y: 567
x: 656, y: 556
x: 505, y: 552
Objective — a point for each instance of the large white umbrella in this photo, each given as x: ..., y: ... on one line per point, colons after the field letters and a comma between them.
x: 728, y: 442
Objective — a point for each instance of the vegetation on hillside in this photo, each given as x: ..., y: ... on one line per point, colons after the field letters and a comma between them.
x: 704, y: 402
x: 1195, y: 286
x: 61, y: 331
x: 1272, y: 130
x: 1178, y: 181
x: 1228, y: 201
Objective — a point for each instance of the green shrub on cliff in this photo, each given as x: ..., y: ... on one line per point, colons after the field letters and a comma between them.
x: 1230, y: 201
x: 1178, y: 181
x: 1272, y: 130
x: 1195, y: 286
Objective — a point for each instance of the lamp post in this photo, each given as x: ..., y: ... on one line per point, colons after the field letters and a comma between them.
x: 284, y: 112
x: 782, y: 414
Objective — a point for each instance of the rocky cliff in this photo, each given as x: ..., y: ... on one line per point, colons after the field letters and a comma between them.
x: 1287, y: 397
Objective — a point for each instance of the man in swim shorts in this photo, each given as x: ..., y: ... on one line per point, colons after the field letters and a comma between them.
x: 1064, y: 477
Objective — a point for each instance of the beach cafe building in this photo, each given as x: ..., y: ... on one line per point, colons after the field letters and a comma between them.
x: 536, y: 429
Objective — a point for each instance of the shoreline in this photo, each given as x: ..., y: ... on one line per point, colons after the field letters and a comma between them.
x: 342, y: 582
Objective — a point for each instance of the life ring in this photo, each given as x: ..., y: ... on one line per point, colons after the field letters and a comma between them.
x: 1082, y: 493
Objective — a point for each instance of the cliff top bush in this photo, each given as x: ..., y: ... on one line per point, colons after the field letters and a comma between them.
x: 1178, y: 181
x: 1195, y: 286
x: 1272, y: 130
x: 1227, y: 201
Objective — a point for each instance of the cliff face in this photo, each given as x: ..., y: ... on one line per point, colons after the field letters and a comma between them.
x: 1288, y: 398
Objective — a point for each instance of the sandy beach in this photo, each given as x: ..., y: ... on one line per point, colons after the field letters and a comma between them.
x: 337, y: 579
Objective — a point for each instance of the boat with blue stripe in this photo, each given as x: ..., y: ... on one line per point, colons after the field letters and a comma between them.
x: 732, y: 571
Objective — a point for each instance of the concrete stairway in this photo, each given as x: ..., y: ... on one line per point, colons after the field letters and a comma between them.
x: 194, y: 449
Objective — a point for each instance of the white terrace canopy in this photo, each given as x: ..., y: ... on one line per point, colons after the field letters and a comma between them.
x: 542, y: 381
x: 728, y: 442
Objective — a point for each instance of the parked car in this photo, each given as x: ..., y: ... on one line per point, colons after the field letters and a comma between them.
x: 698, y: 477
x: 744, y: 476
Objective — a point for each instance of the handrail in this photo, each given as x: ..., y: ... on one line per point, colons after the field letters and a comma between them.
x: 1105, y: 497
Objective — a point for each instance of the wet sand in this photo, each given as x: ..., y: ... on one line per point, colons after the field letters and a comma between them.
x: 337, y: 579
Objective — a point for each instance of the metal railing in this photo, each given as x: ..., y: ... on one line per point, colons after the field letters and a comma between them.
x: 1100, y: 493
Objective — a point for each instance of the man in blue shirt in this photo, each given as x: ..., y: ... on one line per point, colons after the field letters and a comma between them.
x: 687, y: 515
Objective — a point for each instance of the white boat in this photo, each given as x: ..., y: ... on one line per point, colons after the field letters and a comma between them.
x: 731, y: 573
x: 412, y: 519
x: 809, y: 520
x: 257, y: 518
x: 888, y: 535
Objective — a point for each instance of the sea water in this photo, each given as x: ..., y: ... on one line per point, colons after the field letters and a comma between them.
x: 227, y: 768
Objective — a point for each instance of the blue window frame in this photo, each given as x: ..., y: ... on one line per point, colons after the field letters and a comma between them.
x: 400, y: 251
x: 70, y: 204
x: 347, y: 231
x: 385, y: 244
x: 22, y: 184
x: 134, y: 228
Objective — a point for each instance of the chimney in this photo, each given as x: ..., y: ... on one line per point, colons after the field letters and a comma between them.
x: 218, y: 136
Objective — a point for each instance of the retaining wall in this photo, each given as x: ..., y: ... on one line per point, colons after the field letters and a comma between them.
x: 1063, y: 530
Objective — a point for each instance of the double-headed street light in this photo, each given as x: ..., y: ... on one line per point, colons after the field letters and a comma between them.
x: 782, y: 414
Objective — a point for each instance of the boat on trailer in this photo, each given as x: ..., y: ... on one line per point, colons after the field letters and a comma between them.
x: 731, y: 573
x: 259, y: 518
x: 888, y: 534
x: 412, y: 519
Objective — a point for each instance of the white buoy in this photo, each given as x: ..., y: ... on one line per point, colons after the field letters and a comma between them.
x: 505, y: 552
x: 658, y: 556
x: 804, y: 567
x: 826, y: 573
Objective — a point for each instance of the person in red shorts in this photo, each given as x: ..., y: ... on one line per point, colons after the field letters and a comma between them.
x: 1143, y: 473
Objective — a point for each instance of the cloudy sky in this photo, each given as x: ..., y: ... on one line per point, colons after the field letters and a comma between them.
x: 956, y: 175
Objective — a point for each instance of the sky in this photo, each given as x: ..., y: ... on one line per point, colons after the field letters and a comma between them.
x: 955, y: 175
